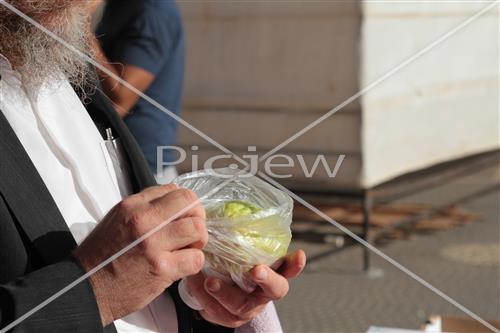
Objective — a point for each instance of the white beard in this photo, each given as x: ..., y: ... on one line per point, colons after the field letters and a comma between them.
x: 36, y: 55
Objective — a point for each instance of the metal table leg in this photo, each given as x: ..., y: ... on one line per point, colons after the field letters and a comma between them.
x: 367, y: 207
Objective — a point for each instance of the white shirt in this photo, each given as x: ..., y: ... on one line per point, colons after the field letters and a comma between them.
x: 69, y: 154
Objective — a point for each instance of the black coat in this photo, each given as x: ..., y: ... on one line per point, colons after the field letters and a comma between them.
x: 36, y: 244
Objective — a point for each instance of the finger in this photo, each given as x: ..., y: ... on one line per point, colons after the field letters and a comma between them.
x: 212, y: 310
x: 185, y: 232
x: 273, y: 285
x: 155, y: 192
x: 178, y: 203
x: 233, y: 299
x: 293, y: 264
x: 176, y: 265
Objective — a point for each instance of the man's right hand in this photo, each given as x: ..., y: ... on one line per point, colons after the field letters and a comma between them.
x: 138, y: 276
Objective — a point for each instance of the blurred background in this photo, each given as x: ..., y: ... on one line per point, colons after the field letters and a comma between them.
x: 421, y: 170
x: 417, y: 141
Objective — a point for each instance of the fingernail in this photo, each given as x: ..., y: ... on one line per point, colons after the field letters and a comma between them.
x: 261, y: 274
x: 213, y: 285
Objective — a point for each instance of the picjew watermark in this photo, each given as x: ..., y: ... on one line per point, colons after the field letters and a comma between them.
x: 280, y: 166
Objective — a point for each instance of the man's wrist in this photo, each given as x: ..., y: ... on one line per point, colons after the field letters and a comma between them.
x: 99, y: 282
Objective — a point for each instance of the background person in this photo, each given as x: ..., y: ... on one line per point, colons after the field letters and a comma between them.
x: 143, y: 43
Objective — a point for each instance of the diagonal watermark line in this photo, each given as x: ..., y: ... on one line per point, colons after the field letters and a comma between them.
x: 117, y: 254
x: 90, y: 60
x: 381, y: 254
x: 381, y: 79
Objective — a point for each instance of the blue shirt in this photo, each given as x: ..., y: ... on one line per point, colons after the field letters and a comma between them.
x: 148, y: 34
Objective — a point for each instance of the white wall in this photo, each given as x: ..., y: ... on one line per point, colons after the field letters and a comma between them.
x: 444, y: 105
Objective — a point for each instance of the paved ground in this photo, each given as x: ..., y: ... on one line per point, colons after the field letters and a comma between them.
x: 335, y: 296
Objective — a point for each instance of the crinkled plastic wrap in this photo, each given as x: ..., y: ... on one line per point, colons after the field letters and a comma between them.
x: 248, y: 222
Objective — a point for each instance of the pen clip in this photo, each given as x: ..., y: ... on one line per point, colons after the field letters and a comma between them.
x: 109, y: 134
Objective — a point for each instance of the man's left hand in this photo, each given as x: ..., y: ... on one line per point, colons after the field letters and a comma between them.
x: 227, y: 305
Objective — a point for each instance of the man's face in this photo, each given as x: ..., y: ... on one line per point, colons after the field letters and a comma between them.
x: 38, y: 56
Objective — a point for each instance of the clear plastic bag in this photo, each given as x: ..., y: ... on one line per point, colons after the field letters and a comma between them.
x: 248, y: 222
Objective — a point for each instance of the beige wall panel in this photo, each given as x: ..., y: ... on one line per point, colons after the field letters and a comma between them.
x: 220, y: 10
x: 289, y: 62
x: 266, y: 129
x: 442, y: 106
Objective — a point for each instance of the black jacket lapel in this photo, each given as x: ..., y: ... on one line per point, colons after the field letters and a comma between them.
x: 30, y: 201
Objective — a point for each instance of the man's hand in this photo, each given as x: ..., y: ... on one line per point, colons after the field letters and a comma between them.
x: 137, y: 277
x: 227, y: 305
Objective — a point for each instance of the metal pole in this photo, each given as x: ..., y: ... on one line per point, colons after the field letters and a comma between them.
x: 367, y: 207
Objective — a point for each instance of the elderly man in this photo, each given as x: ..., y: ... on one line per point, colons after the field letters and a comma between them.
x: 67, y: 181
